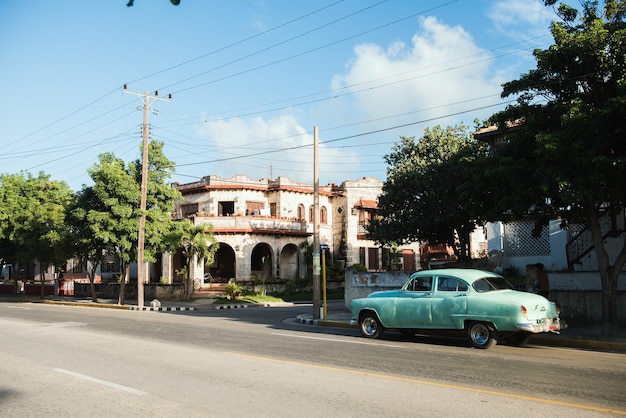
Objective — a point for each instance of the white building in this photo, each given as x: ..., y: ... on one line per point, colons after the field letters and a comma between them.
x: 264, y: 226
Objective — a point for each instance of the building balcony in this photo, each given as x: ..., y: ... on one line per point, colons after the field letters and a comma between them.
x: 254, y: 225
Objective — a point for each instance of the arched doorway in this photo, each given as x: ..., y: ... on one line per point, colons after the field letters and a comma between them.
x: 261, y: 261
x: 224, y: 266
x: 289, y: 262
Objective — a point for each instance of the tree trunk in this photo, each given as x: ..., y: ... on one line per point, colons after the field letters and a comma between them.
x: 92, y: 275
x: 122, y: 295
x: 43, y: 284
x: 187, y: 279
x: 464, y: 245
x: 609, y: 274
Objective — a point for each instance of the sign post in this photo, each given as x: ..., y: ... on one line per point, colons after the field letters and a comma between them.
x: 323, y: 249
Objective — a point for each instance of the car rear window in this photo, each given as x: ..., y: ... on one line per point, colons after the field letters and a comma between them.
x: 487, y: 284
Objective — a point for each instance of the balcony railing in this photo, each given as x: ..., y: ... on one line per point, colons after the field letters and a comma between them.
x: 253, y: 224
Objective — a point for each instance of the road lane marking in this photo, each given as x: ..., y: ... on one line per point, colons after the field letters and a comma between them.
x: 335, y: 340
x: 101, y: 382
x: 442, y: 385
x: 18, y: 307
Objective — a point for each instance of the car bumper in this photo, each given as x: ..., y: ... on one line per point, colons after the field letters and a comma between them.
x: 546, y: 325
x: 354, y: 322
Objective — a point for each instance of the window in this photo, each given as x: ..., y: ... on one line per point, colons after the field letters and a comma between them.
x: 254, y: 208
x: 372, y: 258
x: 301, y: 211
x: 488, y: 284
x: 273, y: 212
x: 111, y: 263
x: 226, y: 208
x: 420, y: 284
x: 189, y: 210
x: 365, y: 218
x: 323, y: 218
x: 311, y: 214
x: 449, y: 284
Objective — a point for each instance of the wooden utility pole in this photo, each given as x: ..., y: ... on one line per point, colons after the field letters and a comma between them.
x: 316, y: 227
x: 148, y: 99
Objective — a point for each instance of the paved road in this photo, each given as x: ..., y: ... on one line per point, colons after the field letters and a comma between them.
x: 70, y: 361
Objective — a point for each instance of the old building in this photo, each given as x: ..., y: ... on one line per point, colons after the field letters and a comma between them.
x: 264, y: 226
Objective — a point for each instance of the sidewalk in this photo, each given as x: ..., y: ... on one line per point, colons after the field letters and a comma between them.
x: 575, y: 336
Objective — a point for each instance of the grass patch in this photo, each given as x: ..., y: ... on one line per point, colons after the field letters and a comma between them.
x: 331, y: 294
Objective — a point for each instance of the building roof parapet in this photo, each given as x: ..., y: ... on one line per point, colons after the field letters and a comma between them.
x: 241, y: 182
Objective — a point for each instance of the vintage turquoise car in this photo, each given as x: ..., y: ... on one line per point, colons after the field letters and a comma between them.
x: 479, y: 303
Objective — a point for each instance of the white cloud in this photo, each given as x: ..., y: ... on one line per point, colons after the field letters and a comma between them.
x: 278, y: 146
x: 442, y: 66
x: 521, y: 19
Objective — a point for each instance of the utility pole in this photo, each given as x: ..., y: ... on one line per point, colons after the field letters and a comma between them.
x: 316, y: 227
x: 148, y: 99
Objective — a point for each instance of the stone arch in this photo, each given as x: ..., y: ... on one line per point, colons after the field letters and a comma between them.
x: 289, y: 262
x: 224, y: 266
x: 261, y: 261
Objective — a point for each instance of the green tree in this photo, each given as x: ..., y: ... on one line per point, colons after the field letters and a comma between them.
x: 115, y: 212
x: 569, y: 158
x: 198, y: 244
x: 161, y: 233
x: 32, y: 218
x: 89, y: 222
x: 425, y: 197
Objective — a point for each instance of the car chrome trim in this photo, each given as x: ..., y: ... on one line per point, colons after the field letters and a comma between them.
x: 547, y: 325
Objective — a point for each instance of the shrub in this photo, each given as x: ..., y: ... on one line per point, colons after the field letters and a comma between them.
x: 233, y: 290
x: 359, y: 267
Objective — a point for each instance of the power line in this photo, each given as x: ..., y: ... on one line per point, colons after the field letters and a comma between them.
x: 273, y: 46
x: 249, y: 38
x: 404, y: 125
x: 308, y: 51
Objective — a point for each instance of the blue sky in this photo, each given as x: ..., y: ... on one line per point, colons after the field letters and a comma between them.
x: 250, y: 79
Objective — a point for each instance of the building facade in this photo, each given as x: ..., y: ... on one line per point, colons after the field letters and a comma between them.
x: 264, y: 227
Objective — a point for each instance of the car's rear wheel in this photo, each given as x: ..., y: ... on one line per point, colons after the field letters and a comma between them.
x: 481, y: 335
x: 519, y: 339
x: 370, y: 325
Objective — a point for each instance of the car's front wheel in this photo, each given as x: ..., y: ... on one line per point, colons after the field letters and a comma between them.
x: 370, y: 325
x: 481, y: 335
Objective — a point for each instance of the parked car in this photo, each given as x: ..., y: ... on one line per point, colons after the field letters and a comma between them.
x: 479, y: 303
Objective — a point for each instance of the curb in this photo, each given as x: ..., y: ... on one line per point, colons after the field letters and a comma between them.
x: 161, y: 309
x: 83, y: 304
x: 307, y: 320
x: 580, y: 343
x: 244, y: 306
x: 111, y: 306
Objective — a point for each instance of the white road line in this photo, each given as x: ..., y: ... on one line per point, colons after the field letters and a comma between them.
x: 17, y: 307
x: 101, y: 382
x: 335, y: 340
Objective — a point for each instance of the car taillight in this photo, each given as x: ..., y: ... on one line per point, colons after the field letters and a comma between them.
x: 524, y: 311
